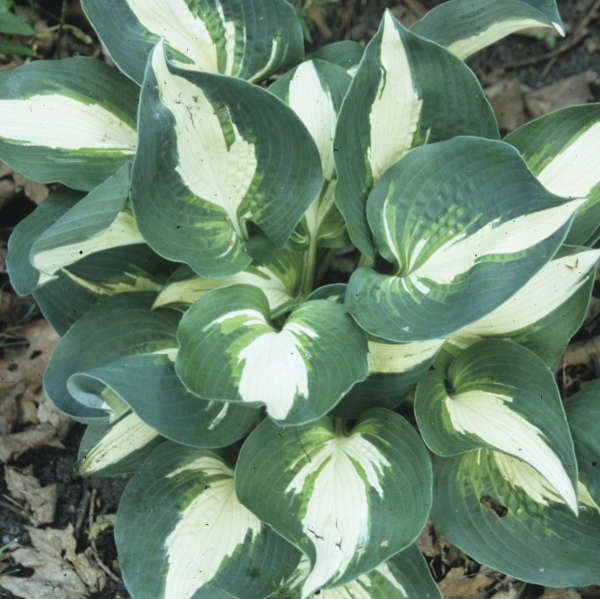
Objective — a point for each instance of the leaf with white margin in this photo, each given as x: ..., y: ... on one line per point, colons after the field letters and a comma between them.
x: 277, y: 271
x: 486, y: 500
x: 394, y: 370
x: 345, y: 54
x: 561, y: 149
x: 117, y: 448
x: 229, y: 350
x: 583, y: 413
x: 466, y: 225
x: 71, y: 120
x: 100, y: 221
x: 234, y: 37
x: 216, y: 152
x: 501, y: 396
x: 465, y: 27
x: 314, y: 90
x: 24, y: 278
x: 202, y: 543
x: 404, y: 576
x: 545, y: 313
x: 75, y: 289
x: 121, y: 326
x: 166, y: 406
x: 348, y: 500
x: 407, y: 91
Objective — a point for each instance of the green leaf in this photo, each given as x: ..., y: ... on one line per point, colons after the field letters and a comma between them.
x: 314, y: 90
x: 276, y: 271
x: 71, y: 120
x: 231, y: 351
x: 465, y: 27
x: 394, y: 370
x: 485, y: 500
x: 23, y: 276
x: 92, y: 280
x: 216, y: 152
x: 8, y: 47
x: 545, y: 313
x: 462, y: 239
x: 404, y: 576
x: 583, y: 413
x: 498, y: 395
x: 121, y: 326
x: 117, y: 448
x: 345, y: 54
x: 11, y: 24
x: 167, y: 407
x: 407, y: 91
x: 232, y: 37
x: 348, y: 501
x: 100, y: 221
x: 202, y: 543
x: 561, y: 149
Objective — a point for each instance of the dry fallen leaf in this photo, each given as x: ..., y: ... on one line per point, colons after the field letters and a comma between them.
x: 560, y: 594
x: 36, y: 192
x: 506, y: 98
x: 12, y: 446
x: 58, y: 571
x: 40, y: 502
x: 456, y: 585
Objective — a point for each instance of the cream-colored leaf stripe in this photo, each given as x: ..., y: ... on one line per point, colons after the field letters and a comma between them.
x: 575, y: 170
x: 554, y: 284
x: 122, y: 231
x: 124, y: 437
x: 213, y: 167
x: 395, y: 113
x: 489, y: 416
x: 336, y: 517
x: 211, y: 527
x: 461, y: 253
x: 390, y: 358
x: 61, y: 122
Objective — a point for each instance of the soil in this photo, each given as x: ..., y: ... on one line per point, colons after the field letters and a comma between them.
x: 344, y: 19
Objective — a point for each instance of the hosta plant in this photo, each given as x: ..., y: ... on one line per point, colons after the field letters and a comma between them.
x: 289, y: 433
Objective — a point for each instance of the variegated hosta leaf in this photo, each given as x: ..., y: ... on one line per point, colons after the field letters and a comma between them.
x: 121, y: 326
x: 561, y: 149
x: 583, y: 412
x: 100, y: 221
x: 464, y: 235
x: 202, y: 542
x: 345, y: 54
x: 404, y: 576
x: 545, y: 313
x: 499, y: 395
x: 394, y: 370
x: 314, y: 90
x: 348, y: 500
x: 75, y: 289
x: 234, y: 37
x: 231, y: 351
x: 276, y: 271
x: 71, y: 120
x: 24, y: 277
x: 407, y: 91
x: 165, y: 405
x: 117, y: 448
x: 485, y: 500
x: 216, y: 152
x: 465, y: 27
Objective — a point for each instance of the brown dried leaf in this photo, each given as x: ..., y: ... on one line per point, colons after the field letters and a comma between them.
x: 456, y: 585
x: 36, y: 192
x: 58, y: 571
x: 565, y: 92
x: 506, y: 98
x: 5, y: 169
x: 12, y: 446
x: 39, y: 501
x: 560, y: 594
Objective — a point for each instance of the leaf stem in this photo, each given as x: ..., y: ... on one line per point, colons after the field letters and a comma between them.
x: 310, y: 262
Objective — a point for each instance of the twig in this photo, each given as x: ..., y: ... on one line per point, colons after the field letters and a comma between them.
x: 15, y: 510
x: 579, y: 33
x: 100, y: 563
x: 83, y: 506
